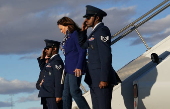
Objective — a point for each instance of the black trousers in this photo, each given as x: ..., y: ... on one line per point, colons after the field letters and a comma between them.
x: 101, y: 98
x: 52, y: 104
x: 44, y: 103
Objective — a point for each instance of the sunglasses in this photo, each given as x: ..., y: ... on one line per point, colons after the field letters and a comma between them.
x: 47, y: 48
x: 47, y: 58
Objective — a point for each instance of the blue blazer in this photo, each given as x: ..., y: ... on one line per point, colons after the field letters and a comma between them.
x: 75, y: 56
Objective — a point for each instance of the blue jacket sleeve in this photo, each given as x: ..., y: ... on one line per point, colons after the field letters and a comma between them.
x: 41, y: 63
x: 104, y: 43
x: 82, y: 39
x: 81, y: 51
x: 41, y: 76
x: 58, y: 71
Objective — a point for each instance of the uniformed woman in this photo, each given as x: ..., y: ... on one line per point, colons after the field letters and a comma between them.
x: 75, y: 58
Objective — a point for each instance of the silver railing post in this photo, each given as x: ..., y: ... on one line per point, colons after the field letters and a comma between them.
x: 142, y: 39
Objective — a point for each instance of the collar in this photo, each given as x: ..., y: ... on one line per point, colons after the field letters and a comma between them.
x: 53, y: 56
x: 96, y: 25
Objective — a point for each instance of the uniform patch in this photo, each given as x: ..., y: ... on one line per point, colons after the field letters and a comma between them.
x: 58, y: 67
x: 104, y: 39
x: 91, y: 39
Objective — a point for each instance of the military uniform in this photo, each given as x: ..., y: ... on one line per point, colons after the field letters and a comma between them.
x: 41, y: 77
x: 52, y: 87
x: 41, y: 63
x: 99, y: 61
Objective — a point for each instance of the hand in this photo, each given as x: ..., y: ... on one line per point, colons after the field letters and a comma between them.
x: 103, y: 84
x: 41, y: 82
x: 58, y: 100
x: 77, y: 72
x: 43, y: 54
x: 84, y: 26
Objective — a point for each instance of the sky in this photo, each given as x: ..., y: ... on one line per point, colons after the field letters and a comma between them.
x: 24, y: 24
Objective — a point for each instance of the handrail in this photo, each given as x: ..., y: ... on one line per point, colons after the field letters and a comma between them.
x: 132, y: 24
x: 139, y: 24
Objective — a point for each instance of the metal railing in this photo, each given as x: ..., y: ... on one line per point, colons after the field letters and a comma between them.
x: 141, y: 23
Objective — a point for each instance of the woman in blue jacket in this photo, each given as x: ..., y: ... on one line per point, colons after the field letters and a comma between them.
x: 75, y: 58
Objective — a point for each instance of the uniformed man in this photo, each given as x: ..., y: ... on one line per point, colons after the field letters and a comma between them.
x: 101, y: 77
x: 52, y: 86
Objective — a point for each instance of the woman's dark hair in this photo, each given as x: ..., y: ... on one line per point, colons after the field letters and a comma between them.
x: 66, y: 21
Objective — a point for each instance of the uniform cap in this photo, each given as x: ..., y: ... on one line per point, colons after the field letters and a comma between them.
x: 91, y: 10
x: 50, y: 43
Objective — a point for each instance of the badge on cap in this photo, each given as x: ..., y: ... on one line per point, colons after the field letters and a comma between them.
x: 58, y: 67
x: 104, y: 39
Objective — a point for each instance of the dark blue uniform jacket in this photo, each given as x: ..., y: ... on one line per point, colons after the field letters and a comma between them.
x: 99, y: 56
x: 52, y: 85
x: 41, y: 63
x: 75, y: 56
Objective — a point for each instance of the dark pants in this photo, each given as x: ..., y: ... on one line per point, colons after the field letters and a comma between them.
x: 72, y: 90
x: 45, y: 106
x: 52, y: 104
x: 44, y: 103
x: 101, y: 98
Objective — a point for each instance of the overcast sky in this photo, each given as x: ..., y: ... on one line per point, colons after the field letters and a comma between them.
x: 24, y: 24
